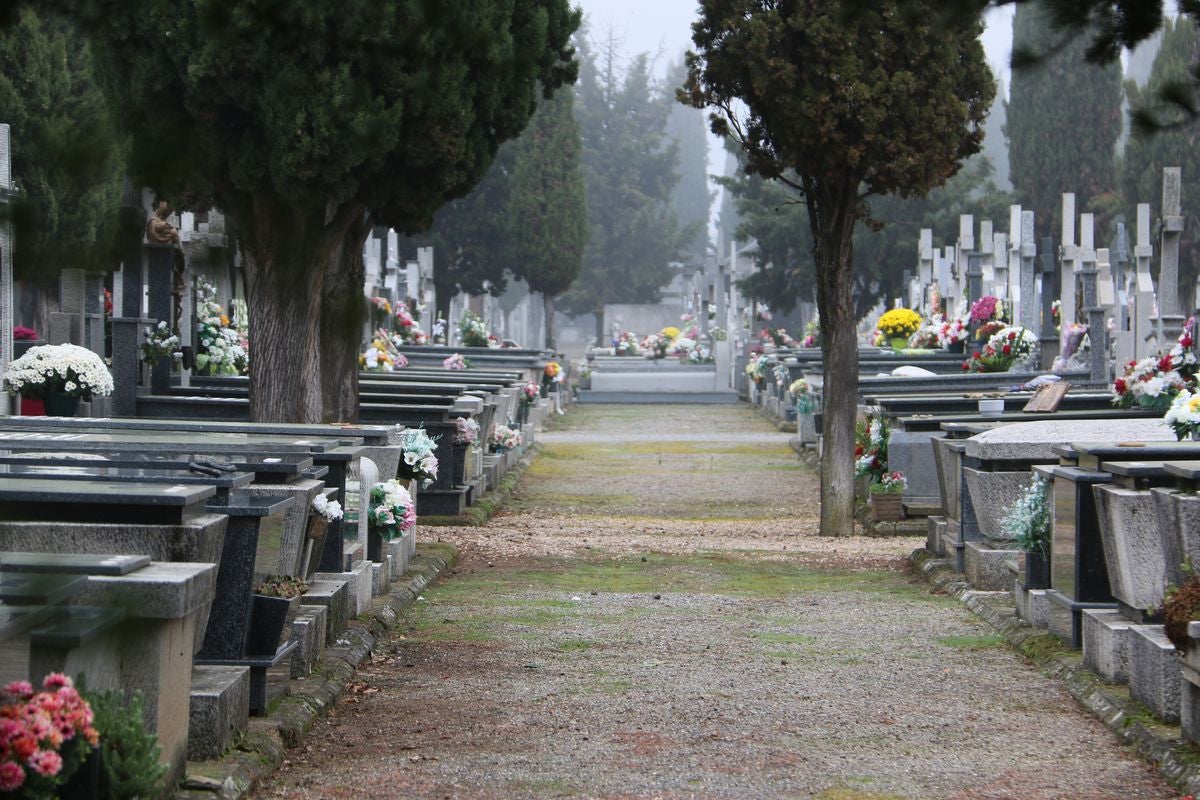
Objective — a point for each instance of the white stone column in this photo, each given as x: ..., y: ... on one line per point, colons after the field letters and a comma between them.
x: 1142, y: 323
x: 7, y: 193
x: 1028, y: 305
x: 1170, y: 316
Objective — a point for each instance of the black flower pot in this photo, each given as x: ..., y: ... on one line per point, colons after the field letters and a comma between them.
x: 268, y: 616
x: 458, y: 468
x: 1037, y: 570
x: 84, y: 783
x: 956, y: 347
x: 61, y: 404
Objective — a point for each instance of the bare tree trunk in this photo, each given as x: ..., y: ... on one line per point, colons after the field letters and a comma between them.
x: 287, y: 254
x: 343, y: 312
x: 548, y: 311
x: 833, y: 228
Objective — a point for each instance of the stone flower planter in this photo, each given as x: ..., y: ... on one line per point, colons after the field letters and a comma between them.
x: 887, y: 507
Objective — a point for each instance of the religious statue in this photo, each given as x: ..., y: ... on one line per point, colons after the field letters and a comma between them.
x: 158, y: 230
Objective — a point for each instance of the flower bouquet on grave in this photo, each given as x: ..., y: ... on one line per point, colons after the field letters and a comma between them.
x: 1005, y: 348
x: 22, y: 334
x: 812, y: 333
x: 928, y: 336
x: 1069, y: 341
x: 899, y: 324
x: 953, y: 334
x: 392, y: 511
x: 44, y: 736
x: 654, y: 346
x: 802, y: 392
x: 871, y: 436
x: 438, y: 331
x: 408, y: 314
x: 984, y: 310
x: 418, y: 460
x: 756, y: 370
x: 699, y: 354
x: 503, y: 439
x: 626, y: 345
x: 1154, y: 381
x: 1184, y: 414
x: 1056, y: 314
x: 1027, y: 523
x: 455, y: 362
x: 466, y: 431
x: 886, y: 497
x: 160, y: 342
x: 58, y: 369
x: 472, y: 330
x: 530, y: 393
x: 223, y: 350
x: 378, y: 357
x: 381, y: 312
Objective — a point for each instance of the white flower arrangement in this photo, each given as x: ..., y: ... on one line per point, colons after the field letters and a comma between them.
x: 392, y: 513
x: 1184, y: 414
x: 331, y: 510
x: 418, y: 458
x: 473, y: 331
x: 223, y: 350
x: 1028, y: 521
x: 160, y: 342
x: 66, y: 368
x: 504, y: 438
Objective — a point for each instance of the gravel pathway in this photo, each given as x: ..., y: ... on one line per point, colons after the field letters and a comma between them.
x: 654, y: 617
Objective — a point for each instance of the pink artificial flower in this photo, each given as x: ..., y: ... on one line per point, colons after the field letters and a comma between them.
x: 11, y: 776
x: 20, y: 689
x: 46, y: 762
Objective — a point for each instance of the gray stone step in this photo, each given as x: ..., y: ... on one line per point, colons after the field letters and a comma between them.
x: 220, y: 710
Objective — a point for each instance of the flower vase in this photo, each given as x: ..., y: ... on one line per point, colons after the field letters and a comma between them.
x: 1195, y: 434
x: 33, y: 407
x: 886, y: 507
x: 61, y: 404
x: 374, y: 545
x: 956, y: 347
x: 268, y: 617
x: 899, y: 342
x: 1037, y: 570
x: 522, y: 413
x: 84, y: 782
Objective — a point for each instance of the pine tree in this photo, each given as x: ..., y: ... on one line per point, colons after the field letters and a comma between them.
x: 547, y: 209
x: 1064, y: 119
x: 67, y: 158
x: 629, y: 168
x: 1147, y: 154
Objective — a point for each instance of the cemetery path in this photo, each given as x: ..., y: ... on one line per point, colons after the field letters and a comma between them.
x: 653, y: 617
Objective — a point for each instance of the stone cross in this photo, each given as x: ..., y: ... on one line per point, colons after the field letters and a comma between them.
x: 1142, y: 324
x: 987, y: 262
x: 1013, y: 261
x: 1002, y: 280
x: 925, y: 269
x: 1027, y: 307
x: 1170, y: 318
x: 966, y: 244
x: 7, y: 193
x: 1121, y: 277
x: 1048, y: 283
x: 945, y: 279
x: 1069, y: 259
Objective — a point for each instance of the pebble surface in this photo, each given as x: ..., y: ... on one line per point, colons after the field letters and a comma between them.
x: 655, y: 617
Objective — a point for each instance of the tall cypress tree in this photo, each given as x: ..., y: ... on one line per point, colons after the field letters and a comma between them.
x: 691, y: 198
x: 629, y: 166
x: 1172, y: 146
x: 67, y: 157
x: 547, y: 213
x: 1064, y: 119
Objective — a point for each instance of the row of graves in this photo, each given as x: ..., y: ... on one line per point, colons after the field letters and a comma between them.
x: 688, y: 362
x: 1063, y: 469
x: 159, y: 545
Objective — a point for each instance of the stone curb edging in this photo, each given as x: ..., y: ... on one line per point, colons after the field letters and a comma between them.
x: 262, y: 749
x: 1177, y: 760
x: 482, y: 512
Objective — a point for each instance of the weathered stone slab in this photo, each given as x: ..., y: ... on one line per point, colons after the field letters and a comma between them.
x: 1034, y: 441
